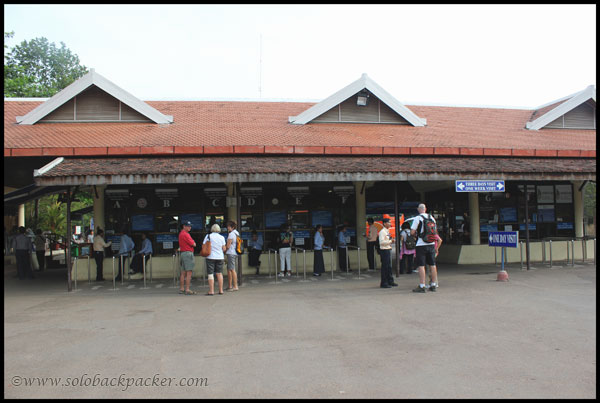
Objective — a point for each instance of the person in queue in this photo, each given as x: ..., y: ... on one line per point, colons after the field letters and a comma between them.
x: 255, y: 246
x: 214, y: 261
x: 145, y: 252
x: 186, y: 248
x: 426, y: 251
x: 232, y: 256
x: 319, y: 264
x: 125, y: 248
x: 286, y: 239
x: 407, y: 256
x: 99, y: 246
x: 22, y: 246
x: 385, y: 245
x: 371, y: 235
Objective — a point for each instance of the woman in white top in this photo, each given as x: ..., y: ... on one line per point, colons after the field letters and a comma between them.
x: 214, y: 261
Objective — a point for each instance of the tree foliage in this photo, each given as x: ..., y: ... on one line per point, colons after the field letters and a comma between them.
x: 39, y: 68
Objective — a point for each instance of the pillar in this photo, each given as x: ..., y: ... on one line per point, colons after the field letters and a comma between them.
x: 232, y: 204
x: 578, y: 207
x: 98, y: 207
x: 21, y: 219
x: 474, y: 217
x: 361, y: 214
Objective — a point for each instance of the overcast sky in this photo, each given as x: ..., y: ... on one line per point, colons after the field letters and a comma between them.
x: 485, y: 55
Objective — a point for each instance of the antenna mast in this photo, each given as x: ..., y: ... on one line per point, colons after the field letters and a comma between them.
x: 260, y: 70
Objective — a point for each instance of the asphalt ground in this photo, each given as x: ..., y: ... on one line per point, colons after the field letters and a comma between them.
x: 531, y: 337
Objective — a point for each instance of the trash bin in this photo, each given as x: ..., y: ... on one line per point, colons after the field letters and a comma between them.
x: 74, y: 250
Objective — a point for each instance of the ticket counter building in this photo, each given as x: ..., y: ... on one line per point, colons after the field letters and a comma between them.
x: 358, y: 153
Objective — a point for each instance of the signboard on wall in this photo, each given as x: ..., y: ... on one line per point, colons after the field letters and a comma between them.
x: 545, y: 194
x: 142, y: 222
x: 325, y: 218
x: 274, y: 219
x: 197, y: 221
x: 463, y: 185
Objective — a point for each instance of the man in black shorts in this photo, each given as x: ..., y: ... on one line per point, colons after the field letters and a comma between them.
x: 425, y: 252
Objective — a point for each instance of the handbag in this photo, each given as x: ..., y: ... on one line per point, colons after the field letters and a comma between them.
x: 206, y: 249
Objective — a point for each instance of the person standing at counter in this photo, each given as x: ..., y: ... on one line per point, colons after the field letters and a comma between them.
x: 99, y: 246
x: 319, y: 264
x: 186, y: 247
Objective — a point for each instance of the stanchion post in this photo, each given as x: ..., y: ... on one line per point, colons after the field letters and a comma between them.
x: 573, y: 252
x: 543, y: 252
x: 521, y: 251
x: 113, y: 274
x: 583, y: 250
x: 151, y: 266
x: 89, y: 270
x: 121, y: 268
x: 269, y: 262
x: 304, y: 256
x: 275, y: 267
x: 568, y: 253
x: 144, y: 269
x: 550, y: 242
x: 495, y: 257
x: 75, y: 272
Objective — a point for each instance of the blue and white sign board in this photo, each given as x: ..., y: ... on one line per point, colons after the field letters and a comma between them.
x: 479, y: 186
x: 507, y: 239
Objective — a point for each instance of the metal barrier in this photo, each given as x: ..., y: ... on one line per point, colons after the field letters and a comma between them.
x: 572, y: 252
x: 89, y: 270
x: 144, y: 271
x: 269, y: 264
x: 521, y: 251
x: 543, y: 251
x: 332, y: 264
x: 550, y: 242
x: 583, y: 250
x: 594, y: 250
x: 113, y: 274
x: 75, y: 272
x: 175, y: 256
x: 304, y: 256
x: 357, y: 254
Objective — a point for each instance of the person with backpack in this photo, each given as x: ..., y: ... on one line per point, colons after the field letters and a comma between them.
x: 408, y: 249
x: 286, y: 240
x: 425, y: 227
x: 232, y: 255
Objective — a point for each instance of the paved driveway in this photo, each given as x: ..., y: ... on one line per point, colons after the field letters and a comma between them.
x: 531, y: 337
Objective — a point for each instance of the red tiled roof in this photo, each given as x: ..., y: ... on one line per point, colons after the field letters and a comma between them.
x: 262, y: 127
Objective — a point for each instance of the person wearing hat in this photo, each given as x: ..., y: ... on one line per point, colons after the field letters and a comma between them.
x: 186, y: 248
x: 385, y: 245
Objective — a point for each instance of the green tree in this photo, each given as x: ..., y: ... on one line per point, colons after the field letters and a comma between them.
x: 39, y: 68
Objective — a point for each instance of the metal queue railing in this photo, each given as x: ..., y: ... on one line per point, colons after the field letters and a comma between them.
x: 304, y: 256
x: 570, y: 244
x: 269, y: 262
x: 358, y: 257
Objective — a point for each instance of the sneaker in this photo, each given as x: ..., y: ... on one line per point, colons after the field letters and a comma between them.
x: 280, y: 274
x: 433, y: 288
x: 415, y: 271
x: 289, y: 274
x: 419, y: 289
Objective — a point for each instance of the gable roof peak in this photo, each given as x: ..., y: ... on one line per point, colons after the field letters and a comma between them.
x: 364, y: 82
x: 563, y: 105
x: 83, y: 83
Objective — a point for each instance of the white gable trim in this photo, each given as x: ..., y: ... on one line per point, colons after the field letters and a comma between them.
x: 93, y: 78
x: 363, y: 82
x: 550, y: 116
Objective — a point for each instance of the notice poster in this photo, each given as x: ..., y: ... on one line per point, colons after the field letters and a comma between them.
x: 563, y: 193
x: 197, y: 221
x: 508, y: 214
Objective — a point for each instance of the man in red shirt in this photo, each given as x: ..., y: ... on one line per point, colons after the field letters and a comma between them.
x: 186, y: 247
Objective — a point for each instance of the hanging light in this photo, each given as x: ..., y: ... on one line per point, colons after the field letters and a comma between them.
x: 363, y: 98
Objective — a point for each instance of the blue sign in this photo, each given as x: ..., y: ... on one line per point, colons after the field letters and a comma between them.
x: 197, y: 221
x: 508, y: 239
x: 274, y: 219
x: 564, y: 225
x: 160, y: 238
x: 301, y: 234
x: 142, y: 222
x: 488, y: 227
x: 531, y: 226
x: 325, y: 218
x: 508, y: 214
x: 479, y: 186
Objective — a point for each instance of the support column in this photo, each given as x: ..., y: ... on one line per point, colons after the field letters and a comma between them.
x: 474, y: 217
x: 21, y: 218
x: 578, y: 207
x: 98, y: 191
x: 231, y: 204
x: 361, y: 214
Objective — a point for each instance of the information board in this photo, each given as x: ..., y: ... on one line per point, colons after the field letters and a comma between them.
x: 325, y: 218
x: 464, y: 185
x: 274, y: 219
x: 197, y: 221
x: 507, y: 239
x: 142, y: 222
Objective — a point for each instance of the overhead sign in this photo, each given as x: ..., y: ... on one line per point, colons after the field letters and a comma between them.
x: 507, y: 239
x: 479, y: 186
